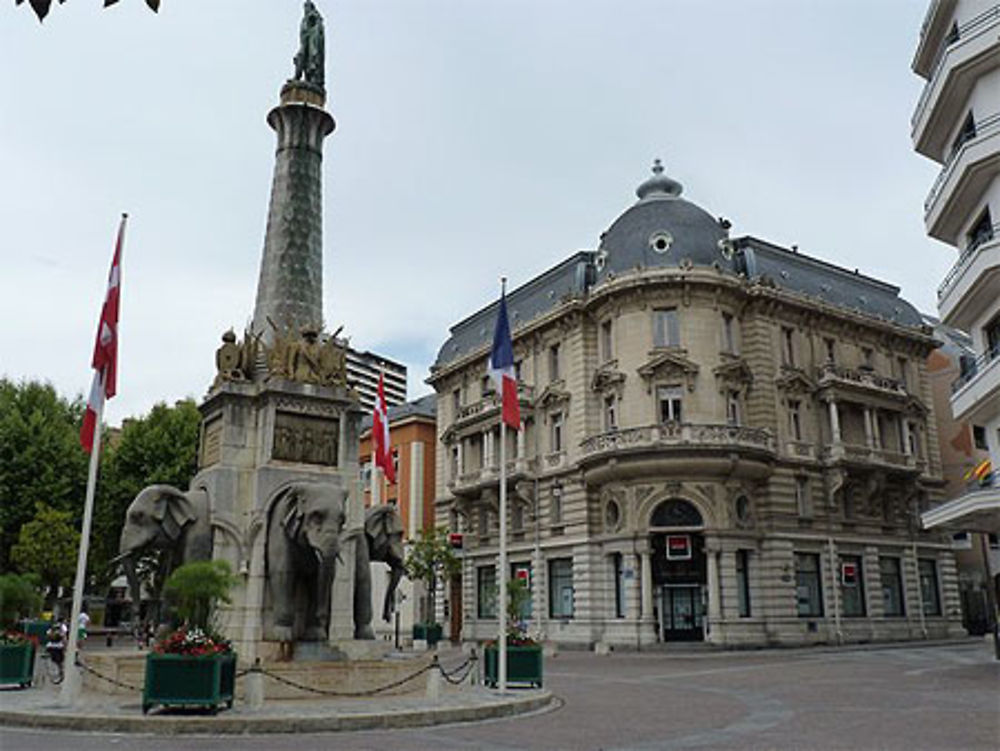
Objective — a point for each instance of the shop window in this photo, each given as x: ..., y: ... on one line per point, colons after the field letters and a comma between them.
x: 927, y: 568
x: 743, y: 582
x: 618, y: 567
x: 486, y: 592
x: 808, y: 589
x: 669, y: 399
x: 666, y: 330
x: 852, y: 586
x: 891, y: 573
x: 561, y: 588
x: 522, y: 572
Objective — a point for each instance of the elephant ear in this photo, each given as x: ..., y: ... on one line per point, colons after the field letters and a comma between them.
x: 173, y: 511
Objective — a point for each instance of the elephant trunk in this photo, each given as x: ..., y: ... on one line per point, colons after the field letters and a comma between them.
x: 324, y: 584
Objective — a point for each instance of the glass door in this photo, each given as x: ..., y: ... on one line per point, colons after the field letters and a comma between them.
x: 682, y: 618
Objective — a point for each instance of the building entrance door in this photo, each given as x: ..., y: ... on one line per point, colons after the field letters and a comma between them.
x: 682, y: 617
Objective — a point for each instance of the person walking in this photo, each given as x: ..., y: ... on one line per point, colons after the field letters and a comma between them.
x: 55, y: 645
x: 81, y: 631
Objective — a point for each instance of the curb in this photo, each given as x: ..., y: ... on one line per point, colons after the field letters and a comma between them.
x: 222, y: 725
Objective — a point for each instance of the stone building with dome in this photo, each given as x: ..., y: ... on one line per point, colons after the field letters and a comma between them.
x: 723, y: 440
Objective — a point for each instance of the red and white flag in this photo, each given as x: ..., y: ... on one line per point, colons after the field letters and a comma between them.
x: 380, y: 434
x: 105, y: 360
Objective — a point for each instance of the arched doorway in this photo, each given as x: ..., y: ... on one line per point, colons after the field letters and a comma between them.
x: 679, y: 570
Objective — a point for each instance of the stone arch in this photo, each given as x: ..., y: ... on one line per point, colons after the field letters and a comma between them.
x: 676, y: 512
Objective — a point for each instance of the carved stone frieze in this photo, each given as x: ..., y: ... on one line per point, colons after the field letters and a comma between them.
x: 306, y: 439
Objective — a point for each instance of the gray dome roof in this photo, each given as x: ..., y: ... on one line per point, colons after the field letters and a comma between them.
x: 662, y: 229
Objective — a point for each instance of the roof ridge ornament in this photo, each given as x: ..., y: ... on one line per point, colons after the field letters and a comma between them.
x: 659, y: 185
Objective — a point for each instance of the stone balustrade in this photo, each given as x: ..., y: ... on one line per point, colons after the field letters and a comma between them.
x: 673, y: 434
x: 832, y: 374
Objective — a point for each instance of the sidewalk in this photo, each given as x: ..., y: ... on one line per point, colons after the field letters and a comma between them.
x: 39, y: 707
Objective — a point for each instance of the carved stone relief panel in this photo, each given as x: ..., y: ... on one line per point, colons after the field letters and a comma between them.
x: 211, y: 443
x: 306, y: 439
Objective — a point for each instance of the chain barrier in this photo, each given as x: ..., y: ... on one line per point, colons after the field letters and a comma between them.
x: 344, y: 694
x: 467, y: 666
x: 87, y: 669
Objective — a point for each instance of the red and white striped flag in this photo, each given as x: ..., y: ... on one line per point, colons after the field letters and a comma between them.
x: 105, y: 360
x: 380, y: 434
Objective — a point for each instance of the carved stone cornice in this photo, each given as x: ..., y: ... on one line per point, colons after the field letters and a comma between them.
x: 606, y: 377
x: 554, y: 393
x: 664, y: 362
x: 794, y: 381
x: 734, y: 371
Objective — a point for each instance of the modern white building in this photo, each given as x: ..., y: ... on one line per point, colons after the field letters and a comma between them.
x: 957, y: 124
x: 362, y: 373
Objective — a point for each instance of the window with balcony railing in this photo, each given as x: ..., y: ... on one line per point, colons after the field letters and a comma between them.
x: 981, y: 232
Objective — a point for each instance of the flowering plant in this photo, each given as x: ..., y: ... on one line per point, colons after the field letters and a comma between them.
x: 518, y: 595
x: 12, y: 638
x: 193, y: 642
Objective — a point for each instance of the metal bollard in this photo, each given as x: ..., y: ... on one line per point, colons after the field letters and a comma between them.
x: 255, y: 687
x: 434, y: 681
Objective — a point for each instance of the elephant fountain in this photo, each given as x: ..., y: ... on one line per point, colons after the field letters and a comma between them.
x: 162, y: 518
x: 384, y: 535
x: 303, y: 545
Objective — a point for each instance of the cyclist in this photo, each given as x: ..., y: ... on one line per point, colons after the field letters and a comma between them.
x: 56, y: 643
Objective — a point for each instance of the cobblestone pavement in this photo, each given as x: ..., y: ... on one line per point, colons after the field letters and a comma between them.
x: 903, y: 697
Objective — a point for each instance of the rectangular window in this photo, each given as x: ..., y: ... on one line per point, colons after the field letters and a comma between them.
x: 522, y: 572
x: 852, y: 586
x: 454, y: 462
x: 517, y: 517
x: 485, y: 386
x: 556, y: 435
x: 555, y: 505
x: 981, y: 232
x: 607, y: 352
x: 831, y: 350
x: 795, y: 419
x: 728, y: 335
x: 903, y: 366
x: 554, y: 362
x: 892, y: 587
x: 733, y: 407
x: 484, y: 522
x: 927, y: 568
x: 669, y: 401
x: 787, y: 346
x: 456, y: 401
x: 618, y: 569
x: 666, y: 331
x: 803, y: 501
x: 517, y: 370
x: 486, y: 592
x: 867, y: 358
x: 610, y: 412
x: 743, y: 582
x: 808, y: 590
x: 991, y: 333
x: 561, y: 588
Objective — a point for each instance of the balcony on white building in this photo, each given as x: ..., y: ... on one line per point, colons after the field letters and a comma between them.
x: 933, y: 34
x: 972, y: 284
x: 975, y: 395
x: 971, y: 48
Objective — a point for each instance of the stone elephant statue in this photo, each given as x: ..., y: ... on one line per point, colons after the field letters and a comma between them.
x: 384, y: 534
x: 303, y: 544
x: 162, y: 518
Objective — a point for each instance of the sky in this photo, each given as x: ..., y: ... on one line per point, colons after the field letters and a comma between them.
x: 474, y: 139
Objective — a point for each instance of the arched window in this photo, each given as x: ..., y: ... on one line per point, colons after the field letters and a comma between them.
x: 676, y: 513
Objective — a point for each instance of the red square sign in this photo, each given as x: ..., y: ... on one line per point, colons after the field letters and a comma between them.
x: 678, y: 547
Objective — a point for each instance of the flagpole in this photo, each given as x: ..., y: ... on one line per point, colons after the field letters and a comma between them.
x: 502, y: 668
x: 73, y: 681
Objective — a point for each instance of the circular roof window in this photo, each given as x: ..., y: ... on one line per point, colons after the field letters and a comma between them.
x: 661, y: 241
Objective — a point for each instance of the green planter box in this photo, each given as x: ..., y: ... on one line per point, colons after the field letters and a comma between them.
x: 183, y: 681
x: 17, y: 664
x: 429, y: 632
x: 524, y: 665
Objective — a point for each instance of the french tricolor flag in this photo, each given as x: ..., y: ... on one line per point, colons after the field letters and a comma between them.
x: 502, y: 368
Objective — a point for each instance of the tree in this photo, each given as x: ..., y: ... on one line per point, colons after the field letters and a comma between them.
x: 19, y: 598
x: 40, y: 457
x: 432, y: 558
x: 47, y: 546
x: 196, y: 588
x: 158, y: 448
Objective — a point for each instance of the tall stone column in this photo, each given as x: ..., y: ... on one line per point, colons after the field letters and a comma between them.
x: 290, y: 288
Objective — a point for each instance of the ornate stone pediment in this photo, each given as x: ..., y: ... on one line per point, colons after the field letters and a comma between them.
x: 794, y: 381
x: 915, y: 407
x: 669, y: 363
x: 554, y: 393
x: 606, y: 377
x: 734, y: 372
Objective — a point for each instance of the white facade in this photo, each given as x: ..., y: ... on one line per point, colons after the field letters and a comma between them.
x: 957, y: 124
x: 362, y: 372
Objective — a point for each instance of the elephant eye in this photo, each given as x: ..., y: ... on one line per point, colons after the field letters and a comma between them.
x: 316, y: 517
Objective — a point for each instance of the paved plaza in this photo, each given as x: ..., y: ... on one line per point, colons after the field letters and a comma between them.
x: 894, y: 697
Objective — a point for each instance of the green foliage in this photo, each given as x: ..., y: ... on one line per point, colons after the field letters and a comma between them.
x: 40, y: 457
x: 19, y: 598
x: 158, y: 448
x: 431, y: 558
x: 47, y: 546
x: 195, y: 589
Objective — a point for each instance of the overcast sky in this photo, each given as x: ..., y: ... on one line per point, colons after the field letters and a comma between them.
x: 474, y: 138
